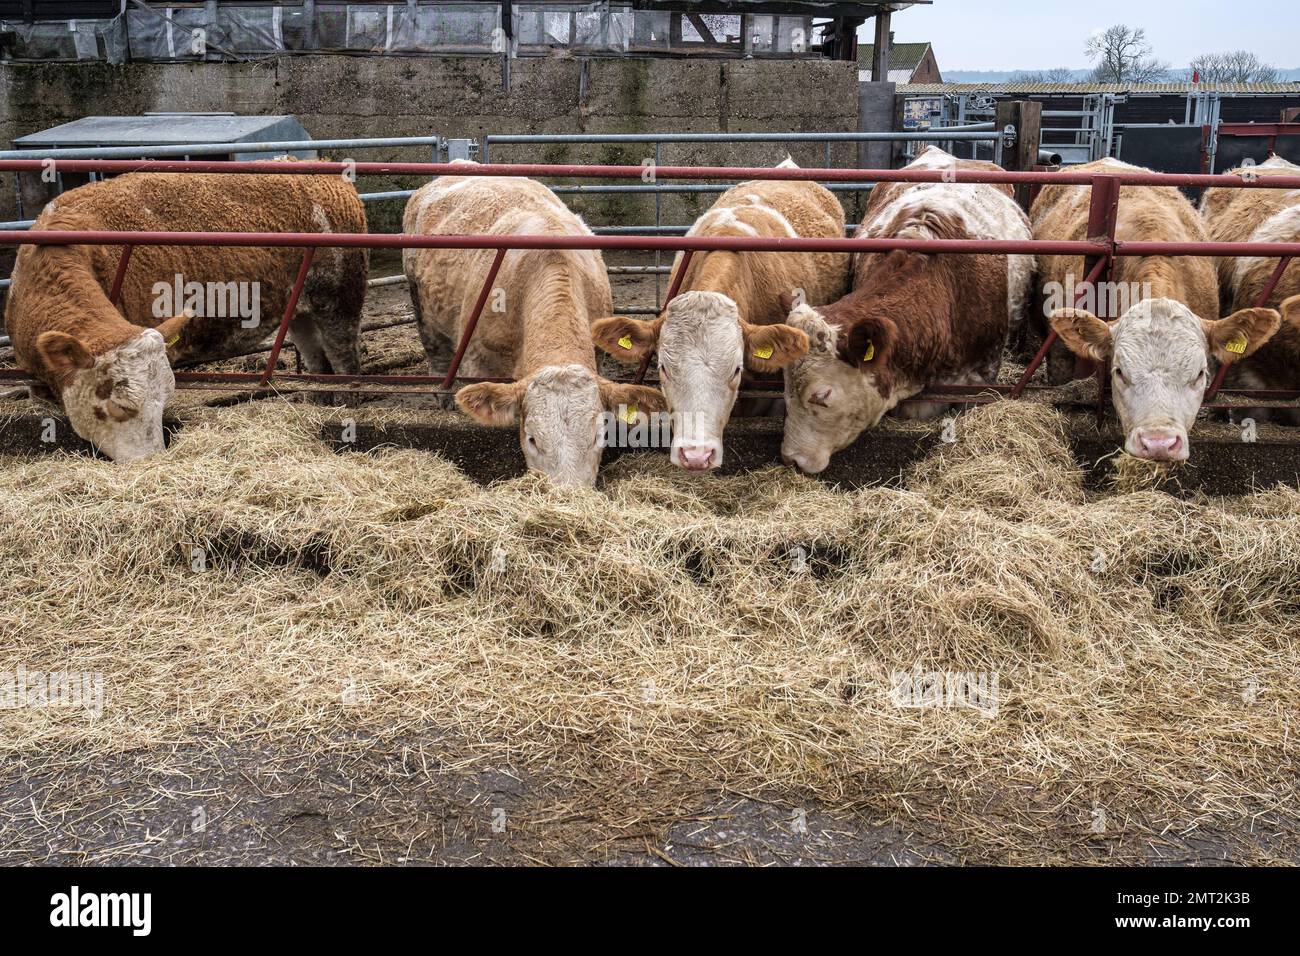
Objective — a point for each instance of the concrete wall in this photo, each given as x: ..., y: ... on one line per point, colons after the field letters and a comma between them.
x: 338, y: 96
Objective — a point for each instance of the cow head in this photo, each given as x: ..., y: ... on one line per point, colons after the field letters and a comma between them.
x: 560, y: 410
x: 115, y: 400
x: 703, y: 344
x: 1159, y: 353
x: 836, y: 391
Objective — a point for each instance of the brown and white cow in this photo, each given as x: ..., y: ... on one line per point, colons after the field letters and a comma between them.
x: 728, y: 315
x: 111, y: 369
x: 912, y: 318
x: 1260, y: 215
x: 1159, y: 346
x: 535, y: 327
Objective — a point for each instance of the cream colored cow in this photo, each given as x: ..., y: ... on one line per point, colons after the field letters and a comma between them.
x: 535, y: 327
x: 729, y: 316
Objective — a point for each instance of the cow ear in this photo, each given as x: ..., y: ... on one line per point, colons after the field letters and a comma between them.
x: 1083, y: 333
x: 791, y: 300
x: 173, y: 331
x: 770, y: 348
x: 1240, y: 334
x: 63, y: 354
x: 869, y: 343
x: 628, y: 340
x: 623, y: 398
x: 1290, y: 309
x: 491, y: 403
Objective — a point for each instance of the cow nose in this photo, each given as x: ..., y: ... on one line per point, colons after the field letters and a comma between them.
x: 1160, y: 444
x: 697, y: 457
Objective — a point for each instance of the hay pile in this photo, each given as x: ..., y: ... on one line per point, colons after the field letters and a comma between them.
x: 741, y: 632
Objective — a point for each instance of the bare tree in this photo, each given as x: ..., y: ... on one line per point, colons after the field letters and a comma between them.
x: 1239, y: 66
x: 1060, y: 74
x: 1123, y: 55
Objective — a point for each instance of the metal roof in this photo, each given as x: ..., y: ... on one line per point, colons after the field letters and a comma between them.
x: 164, y: 129
x: 1083, y: 89
x: 808, y: 8
x: 168, y: 129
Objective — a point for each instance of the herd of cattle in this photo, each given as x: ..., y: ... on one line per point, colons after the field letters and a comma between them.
x: 854, y: 336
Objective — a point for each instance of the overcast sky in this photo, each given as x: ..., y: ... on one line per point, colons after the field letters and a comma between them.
x: 1041, y: 34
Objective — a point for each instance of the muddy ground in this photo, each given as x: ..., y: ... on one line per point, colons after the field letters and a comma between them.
x: 425, y: 800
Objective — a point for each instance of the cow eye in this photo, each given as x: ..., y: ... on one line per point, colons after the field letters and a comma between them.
x: 1200, y: 377
x: 736, y: 372
x: 1119, y: 374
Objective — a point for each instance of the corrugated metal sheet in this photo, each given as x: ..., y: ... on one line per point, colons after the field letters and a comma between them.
x: 1082, y: 89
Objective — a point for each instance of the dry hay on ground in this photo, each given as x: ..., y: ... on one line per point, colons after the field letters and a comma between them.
x: 741, y: 632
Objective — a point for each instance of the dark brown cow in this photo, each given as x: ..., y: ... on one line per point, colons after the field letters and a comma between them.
x: 912, y: 319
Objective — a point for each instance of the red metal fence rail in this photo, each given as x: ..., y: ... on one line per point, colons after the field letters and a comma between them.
x: 1099, y: 250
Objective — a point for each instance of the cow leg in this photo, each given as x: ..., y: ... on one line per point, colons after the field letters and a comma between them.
x: 305, y: 338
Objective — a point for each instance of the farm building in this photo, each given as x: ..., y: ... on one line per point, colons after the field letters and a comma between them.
x: 908, y: 62
x: 1174, y: 127
x: 636, y: 432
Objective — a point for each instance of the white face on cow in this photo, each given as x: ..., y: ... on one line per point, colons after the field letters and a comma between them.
x: 560, y: 424
x: 1159, y: 352
x: 114, y: 400
x: 701, y: 357
x: 828, y: 402
x: 560, y: 410
x: 704, y: 345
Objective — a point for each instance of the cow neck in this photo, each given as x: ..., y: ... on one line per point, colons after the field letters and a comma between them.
x: 722, y: 272
x: 59, y: 292
x: 556, y: 324
x: 1162, y: 277
x: 892, y: 293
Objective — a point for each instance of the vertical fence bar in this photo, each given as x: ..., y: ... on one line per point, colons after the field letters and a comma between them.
x: 289, y: 308
x: 1041, y: 354
x: 1260, y: 301
x: 115, y: 291
x: 672, y: 291
x: 473, y: 319
x: 1103, y: 214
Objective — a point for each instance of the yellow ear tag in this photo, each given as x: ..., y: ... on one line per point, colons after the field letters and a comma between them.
x: 1237, y: 343
x: 625, y: 342
x: 870, y: 353
x: 629, y: 414
x: 173, y: 341
x: 763, y: 352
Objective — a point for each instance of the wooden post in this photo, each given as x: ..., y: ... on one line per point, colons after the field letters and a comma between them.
x: 880, y: 55
x: 1027, y: 117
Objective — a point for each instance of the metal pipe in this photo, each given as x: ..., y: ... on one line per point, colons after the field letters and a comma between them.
x: 351, y: 240
x: 473, y: 319
x: 776, y: 173
x: 971, y: 131
x: 672, y: 293
x: 116, y: 289
x: 1260, y: 301
x: 1023, y: 382
x: 289, y: 308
